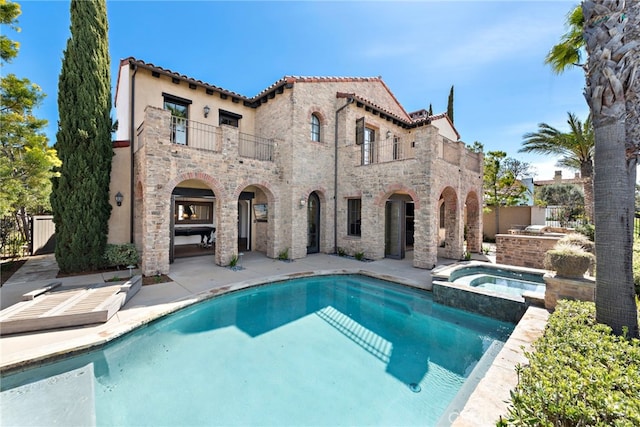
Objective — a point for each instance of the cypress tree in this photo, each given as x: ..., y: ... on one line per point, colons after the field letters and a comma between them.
x: 430, y: 110
x: 80, y: 197
x: 450, y: 105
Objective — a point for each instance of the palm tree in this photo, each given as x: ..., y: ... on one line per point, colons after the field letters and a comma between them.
x: 575, y: 149
x: 611, y: 37
x: 568, y: 52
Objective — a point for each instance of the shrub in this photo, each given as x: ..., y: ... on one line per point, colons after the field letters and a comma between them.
x: 284, y: 255
x: 234, y: 261
x: 581, y: 240
x: 359, y: 256
x: 568, y: 260
x: 588, y: 230
x: 579, y: 373
x: 342, y: 252
x: 121, y: 255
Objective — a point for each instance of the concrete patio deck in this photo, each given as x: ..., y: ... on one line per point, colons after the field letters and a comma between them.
x: 198, y: 278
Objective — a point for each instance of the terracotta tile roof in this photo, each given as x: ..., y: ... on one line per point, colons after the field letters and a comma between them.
x: 411, y: 119
x: 407, y: 120
x: 152, y: 67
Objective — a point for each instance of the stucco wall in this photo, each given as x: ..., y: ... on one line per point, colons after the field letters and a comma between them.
x: 512, y: 217
x: 119, y: 221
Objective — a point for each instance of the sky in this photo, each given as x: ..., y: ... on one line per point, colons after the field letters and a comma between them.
x: 492, y: 52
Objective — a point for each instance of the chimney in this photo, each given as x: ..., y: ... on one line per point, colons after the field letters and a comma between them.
x: 558, y: 177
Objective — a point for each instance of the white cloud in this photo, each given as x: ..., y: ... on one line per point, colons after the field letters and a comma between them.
x: 512, y: 37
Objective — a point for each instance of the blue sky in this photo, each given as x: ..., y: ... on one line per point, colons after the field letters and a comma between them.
x: 491, y: 51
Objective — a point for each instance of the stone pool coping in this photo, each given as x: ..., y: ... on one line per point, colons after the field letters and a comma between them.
x: 487, y: 402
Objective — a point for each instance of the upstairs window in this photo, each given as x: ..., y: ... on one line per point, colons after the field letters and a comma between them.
x: 365, y: 137
x: 228, y: 118
x: 179, y: 108
x: 368, y: 146
x: 315, y: 128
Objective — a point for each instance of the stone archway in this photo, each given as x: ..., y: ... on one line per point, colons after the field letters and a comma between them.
x: 250, y: 225
x: 449, y: 238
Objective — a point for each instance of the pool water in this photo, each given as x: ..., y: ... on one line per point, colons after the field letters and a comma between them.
x: 504, y: 285
x: 326, y: 350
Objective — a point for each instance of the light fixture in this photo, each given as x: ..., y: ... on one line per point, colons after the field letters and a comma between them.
x: 119, y: 198
x: 303, y: 202
x: 388, y: 134
x: 206, y: 110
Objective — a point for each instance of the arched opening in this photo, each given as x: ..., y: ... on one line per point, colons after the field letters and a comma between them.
x: 448, y: 234
x: 398, y: 225
x: 253, y: 224
x: 193, y: 220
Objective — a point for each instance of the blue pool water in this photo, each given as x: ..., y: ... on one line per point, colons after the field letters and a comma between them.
x: 500, y: 280
x: 327, y: 350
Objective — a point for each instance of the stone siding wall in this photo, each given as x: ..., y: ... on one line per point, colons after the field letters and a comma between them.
x: 301, y: 167
x: 565, y: 288
x: 523, y: 250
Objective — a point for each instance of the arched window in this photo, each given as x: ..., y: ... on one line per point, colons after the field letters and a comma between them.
x: 315, y: 128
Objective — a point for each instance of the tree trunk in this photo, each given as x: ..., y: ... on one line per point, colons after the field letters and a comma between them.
x: 608, y: 78
x: 586, y: 173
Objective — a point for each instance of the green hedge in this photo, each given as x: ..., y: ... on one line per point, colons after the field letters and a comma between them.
x: 579, y: 374
x: 121, y: 255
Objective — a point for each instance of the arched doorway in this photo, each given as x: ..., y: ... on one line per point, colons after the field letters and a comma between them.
x: 449, y: 239
x: 193, y: 220
x: 398, y: 226
x: 313, y: 224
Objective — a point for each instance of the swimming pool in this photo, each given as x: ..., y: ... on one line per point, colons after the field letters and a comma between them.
x: 327, y: 350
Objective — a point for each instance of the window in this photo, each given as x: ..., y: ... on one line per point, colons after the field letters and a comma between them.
x: 396, y: 148
x: 353, y: 217
x: 179, y: 108
x: 367, y: 146
x: 188, y: 212
x: 442, y: 213
x: 228, y: 118
x: 315, y: 128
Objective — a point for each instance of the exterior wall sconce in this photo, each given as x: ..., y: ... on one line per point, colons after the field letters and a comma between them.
x: 119, y: 198
x: 206, y: 111
x: 302, y: 202
x: 388, y: 134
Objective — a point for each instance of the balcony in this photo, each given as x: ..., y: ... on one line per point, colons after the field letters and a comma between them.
x: 255, y: 147
x: 389, y: 150
x: 203, y: 136
x: 195, y: 134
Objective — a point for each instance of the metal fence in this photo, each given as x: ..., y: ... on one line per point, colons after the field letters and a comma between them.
x: 195, y: 134
x: 563, y: 216
x: 255, y: 147
x: 12, y: 241
x: 388, y: 150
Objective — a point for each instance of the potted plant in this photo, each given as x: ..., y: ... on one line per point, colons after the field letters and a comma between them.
x: 568, y: 260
